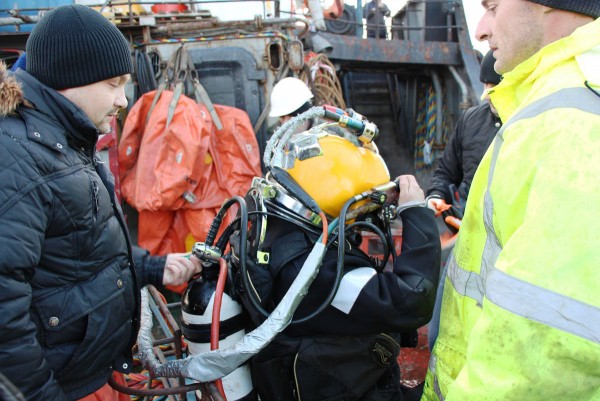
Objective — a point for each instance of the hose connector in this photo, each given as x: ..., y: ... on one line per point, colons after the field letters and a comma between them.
x: 206, y: 253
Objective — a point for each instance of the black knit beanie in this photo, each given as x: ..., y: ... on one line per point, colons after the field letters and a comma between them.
x: 73, y: 46
x: 585, y: 7
x: 487, y: 74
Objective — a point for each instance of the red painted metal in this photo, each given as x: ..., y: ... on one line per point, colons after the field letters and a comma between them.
x: 413, y: 361
x: 372, y: 246
x: 109, y: 143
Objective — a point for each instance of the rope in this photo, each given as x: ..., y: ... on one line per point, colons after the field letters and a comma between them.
x: 426, y: 126
x: 320, y: 73
x: 421, y: 126
x: 426, y: 117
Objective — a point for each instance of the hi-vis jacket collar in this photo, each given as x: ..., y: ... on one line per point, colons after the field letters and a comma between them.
x: 582, y: 44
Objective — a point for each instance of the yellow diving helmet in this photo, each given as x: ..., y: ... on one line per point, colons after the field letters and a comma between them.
x: 332, y: 169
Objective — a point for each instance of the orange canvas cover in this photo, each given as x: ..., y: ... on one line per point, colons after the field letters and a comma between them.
x: 229, y: 165
x: 232, y: 160
x: 164, y: 232
x: 158, y: 164
x: 153, y: 181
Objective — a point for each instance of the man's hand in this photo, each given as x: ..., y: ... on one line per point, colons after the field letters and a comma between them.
x: 410, y: 191
x: 437, y: 204
x: 411, y: 194
x: 179, y: 269
x: 434, y: 204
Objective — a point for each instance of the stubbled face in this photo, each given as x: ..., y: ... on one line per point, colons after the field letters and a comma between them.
x: 514, y: 30
x: 100, y: 101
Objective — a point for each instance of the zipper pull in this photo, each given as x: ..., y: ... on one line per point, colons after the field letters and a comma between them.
x: 96, y: 197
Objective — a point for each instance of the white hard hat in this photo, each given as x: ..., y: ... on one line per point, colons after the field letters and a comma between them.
x: 288, y: 95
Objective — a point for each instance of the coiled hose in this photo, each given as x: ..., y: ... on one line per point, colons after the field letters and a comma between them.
x: 321, y: 75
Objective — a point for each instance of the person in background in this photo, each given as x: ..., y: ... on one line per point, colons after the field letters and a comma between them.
x: 520, y: 313
x: 374, y: 12
x: 289, y: 98
x: 69, y: 276
x: 20, y: 63
x: 474, y: 132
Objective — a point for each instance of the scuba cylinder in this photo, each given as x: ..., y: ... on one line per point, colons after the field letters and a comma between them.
x: 197, y: 305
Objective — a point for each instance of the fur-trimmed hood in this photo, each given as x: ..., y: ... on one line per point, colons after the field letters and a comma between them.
x: 11, y: 94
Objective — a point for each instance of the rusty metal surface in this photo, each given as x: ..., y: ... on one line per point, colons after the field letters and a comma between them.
x: 352, y: 48
x: 469, y: 58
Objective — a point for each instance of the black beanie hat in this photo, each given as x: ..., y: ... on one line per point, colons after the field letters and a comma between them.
x: 73, y: 46
x: 585, y: 7
x: 487, y: 74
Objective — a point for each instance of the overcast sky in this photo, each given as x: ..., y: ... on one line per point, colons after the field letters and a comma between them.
x: 233, y: 11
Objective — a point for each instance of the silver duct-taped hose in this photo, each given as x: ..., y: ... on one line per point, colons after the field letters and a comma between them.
x: 274, y: 148
x: 212, y: 365
x: 145, y: 348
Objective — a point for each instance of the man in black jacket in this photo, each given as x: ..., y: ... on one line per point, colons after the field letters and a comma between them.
x: 69, y: 275
x: 375, y: 12
x: 473, y: 134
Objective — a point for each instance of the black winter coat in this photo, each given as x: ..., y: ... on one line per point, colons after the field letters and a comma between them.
x: 68, y: 292
x: 390, y: 301
x: 331, y: 356
x: 474, y: 132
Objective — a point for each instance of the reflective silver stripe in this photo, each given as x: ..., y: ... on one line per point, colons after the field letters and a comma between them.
x: 544, y: 306
x: 432, y: 363
x: 582, y: 99
x: 436, y: 389
x: 492, y: 247
x: 471, y: 284
x: 350, y: 287
x: 516, y: 296
x: 466, y: 283
x: 520, y: 297
x: 436, y: 384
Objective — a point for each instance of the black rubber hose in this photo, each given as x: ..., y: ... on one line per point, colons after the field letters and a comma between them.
x: 145, y: 73
x: 388, y: 225
x: 376, y: 230
x: 339, y: 267
x: 216, y: 224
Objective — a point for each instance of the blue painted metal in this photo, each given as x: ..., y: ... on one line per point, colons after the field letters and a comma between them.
x: 359, y: 18
x: 27, y: 7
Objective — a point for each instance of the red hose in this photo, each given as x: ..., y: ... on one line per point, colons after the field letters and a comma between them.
x: 216, y: 315
x: 325, y: 225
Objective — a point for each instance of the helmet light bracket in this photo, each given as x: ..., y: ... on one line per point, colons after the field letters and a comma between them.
x: 302, y: 146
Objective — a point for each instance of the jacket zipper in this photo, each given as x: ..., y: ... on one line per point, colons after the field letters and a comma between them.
x: 95, y: 207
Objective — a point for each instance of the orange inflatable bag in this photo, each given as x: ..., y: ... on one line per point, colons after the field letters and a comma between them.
x: 232, y: 160
x: 226, y: 170
x: 180, y: 159
x: 160, y: 160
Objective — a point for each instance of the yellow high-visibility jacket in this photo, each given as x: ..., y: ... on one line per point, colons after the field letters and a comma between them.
x: 520, y: 317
